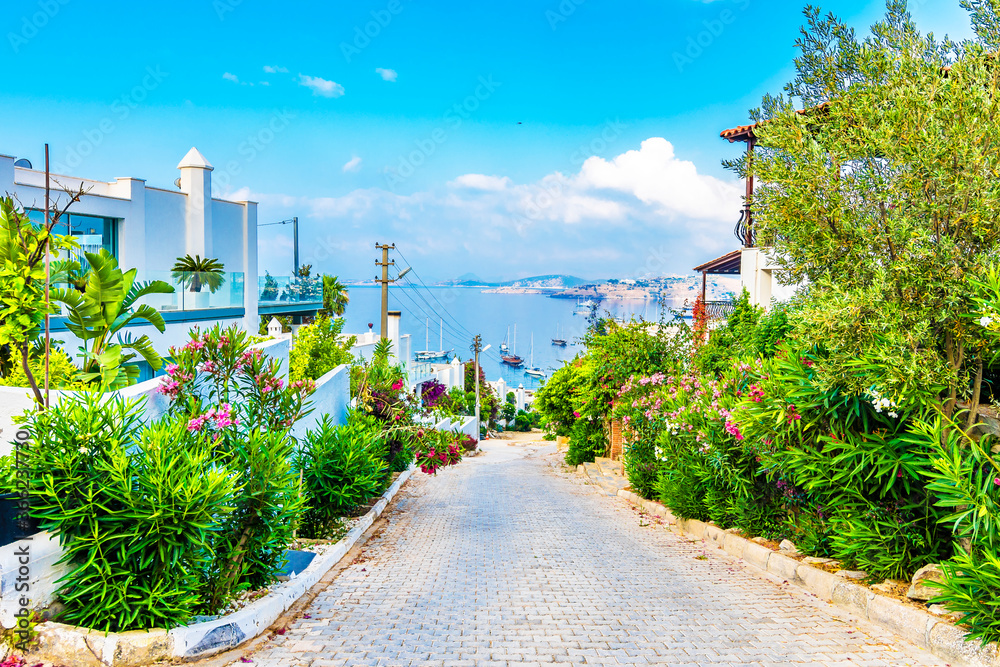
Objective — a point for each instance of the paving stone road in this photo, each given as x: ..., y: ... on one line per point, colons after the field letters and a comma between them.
x: 506, y: 560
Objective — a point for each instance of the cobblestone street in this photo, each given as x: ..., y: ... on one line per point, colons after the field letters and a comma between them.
x: 506, y: 559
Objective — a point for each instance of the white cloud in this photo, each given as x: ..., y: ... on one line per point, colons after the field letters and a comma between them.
x: 644, y: 212
x: 231, y: 77
x: 354, y: 164
x: 386, y: 74
x: 271, y: 69
x: 480, y: 182
x: 655, y: 176
x: 321, y: 87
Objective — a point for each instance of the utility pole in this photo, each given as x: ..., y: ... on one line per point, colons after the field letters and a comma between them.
x: 477, y: 348
x: 386, y: 281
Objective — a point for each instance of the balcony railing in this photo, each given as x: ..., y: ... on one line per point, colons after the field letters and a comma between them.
x: 287, y: 289
x: 195, y: 291
x: 715, y: 311
x: 744, y: 228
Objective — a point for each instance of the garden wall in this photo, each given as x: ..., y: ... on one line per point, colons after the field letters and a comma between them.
x: 332, y: 397
x: 15, y: 400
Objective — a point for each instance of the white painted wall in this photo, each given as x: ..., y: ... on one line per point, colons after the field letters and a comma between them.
x: 758, y: 275
x: 158, y: 225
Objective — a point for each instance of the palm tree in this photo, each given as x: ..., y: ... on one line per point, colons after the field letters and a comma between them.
x: 196, y: 271
x: 100, y: 312
x: 335, y: 296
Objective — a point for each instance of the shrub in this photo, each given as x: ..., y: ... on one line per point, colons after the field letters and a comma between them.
x: 62, y: 372
x: 437, y: 449
x: 586, y: 442
x: 318, y: 349
x: 341, y: 468
x: 135, y: 509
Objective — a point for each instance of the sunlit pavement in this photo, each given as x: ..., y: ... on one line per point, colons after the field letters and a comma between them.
x: 507, y: 559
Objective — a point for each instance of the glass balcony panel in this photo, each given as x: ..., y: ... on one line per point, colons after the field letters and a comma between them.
x: 288, y: 289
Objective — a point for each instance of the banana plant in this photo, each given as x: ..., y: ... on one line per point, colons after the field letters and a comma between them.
x: 98, y: 315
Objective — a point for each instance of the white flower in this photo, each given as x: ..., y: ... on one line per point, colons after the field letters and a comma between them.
x: 985, y: 320
x: 84, y: 450
x: 894, y: 415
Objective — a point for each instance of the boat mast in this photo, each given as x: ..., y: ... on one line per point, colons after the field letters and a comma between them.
x: 442, y: 335
x: 513, y: 343
x: 532, y: 364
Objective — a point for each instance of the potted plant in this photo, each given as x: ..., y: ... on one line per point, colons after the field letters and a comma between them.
x: 195, y: 273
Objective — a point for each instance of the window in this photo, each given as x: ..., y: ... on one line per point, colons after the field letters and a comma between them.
x: 92, y: 232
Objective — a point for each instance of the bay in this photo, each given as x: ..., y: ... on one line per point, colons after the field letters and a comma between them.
x: 467, y: 311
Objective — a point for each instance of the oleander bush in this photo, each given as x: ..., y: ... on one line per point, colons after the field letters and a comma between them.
x: 342, y: 467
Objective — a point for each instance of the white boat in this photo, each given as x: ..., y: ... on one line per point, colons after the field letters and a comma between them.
x: 584, y: 307
x: 428, y: 354
x: 504, y: 348
x: 533, y: 370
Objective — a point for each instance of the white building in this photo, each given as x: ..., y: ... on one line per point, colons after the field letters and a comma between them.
x: 149, y: 228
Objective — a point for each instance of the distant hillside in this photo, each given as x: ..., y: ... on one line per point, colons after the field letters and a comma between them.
x: 550, y: 282
x: 547, y: 282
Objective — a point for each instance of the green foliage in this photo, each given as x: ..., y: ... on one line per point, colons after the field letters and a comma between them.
x: 964, y: 477
x: 342, y: 467
x: 22, y: 284
x: 888, y: 216
x: 62, y: 372
x: 558, y: 398
x: 197, y: 273
x: 335, y: 297
x: 100, y: 313
x: 318, y: 349
x: 586, y: 442
x: 135, y: 509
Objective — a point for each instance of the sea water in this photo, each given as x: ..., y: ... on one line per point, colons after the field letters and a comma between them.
x: 467, y: 311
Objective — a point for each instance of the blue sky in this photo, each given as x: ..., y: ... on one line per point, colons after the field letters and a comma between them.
x: 502, y: 139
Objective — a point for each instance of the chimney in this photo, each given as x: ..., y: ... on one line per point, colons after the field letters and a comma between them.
x: 196, y: 183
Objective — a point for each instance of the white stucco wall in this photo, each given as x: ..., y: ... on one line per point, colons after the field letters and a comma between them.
x: 158, y: 225
x: 758, y: 274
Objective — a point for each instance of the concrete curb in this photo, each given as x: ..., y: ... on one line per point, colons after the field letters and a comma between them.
x: 66, y: 644
x: 922, y: 628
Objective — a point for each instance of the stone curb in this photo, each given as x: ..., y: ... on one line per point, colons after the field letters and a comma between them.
x: 922, y: 628
x: 71, y: 645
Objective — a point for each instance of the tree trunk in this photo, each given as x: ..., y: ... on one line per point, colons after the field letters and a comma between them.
x: 976, y: 393
x: 39, y: 399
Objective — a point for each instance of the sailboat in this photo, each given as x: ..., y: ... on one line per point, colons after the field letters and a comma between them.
x: 512, y: 359
x: 561, y: 342
x: 432, y: 355
x: 584, y: 307
x: 534, y: 371
x: 503, y: 346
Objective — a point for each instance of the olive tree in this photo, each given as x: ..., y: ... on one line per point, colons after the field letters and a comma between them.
x: 879, y: 173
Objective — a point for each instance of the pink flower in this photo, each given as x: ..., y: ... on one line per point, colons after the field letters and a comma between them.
x: 397, y: 385
x: 576, y: 414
